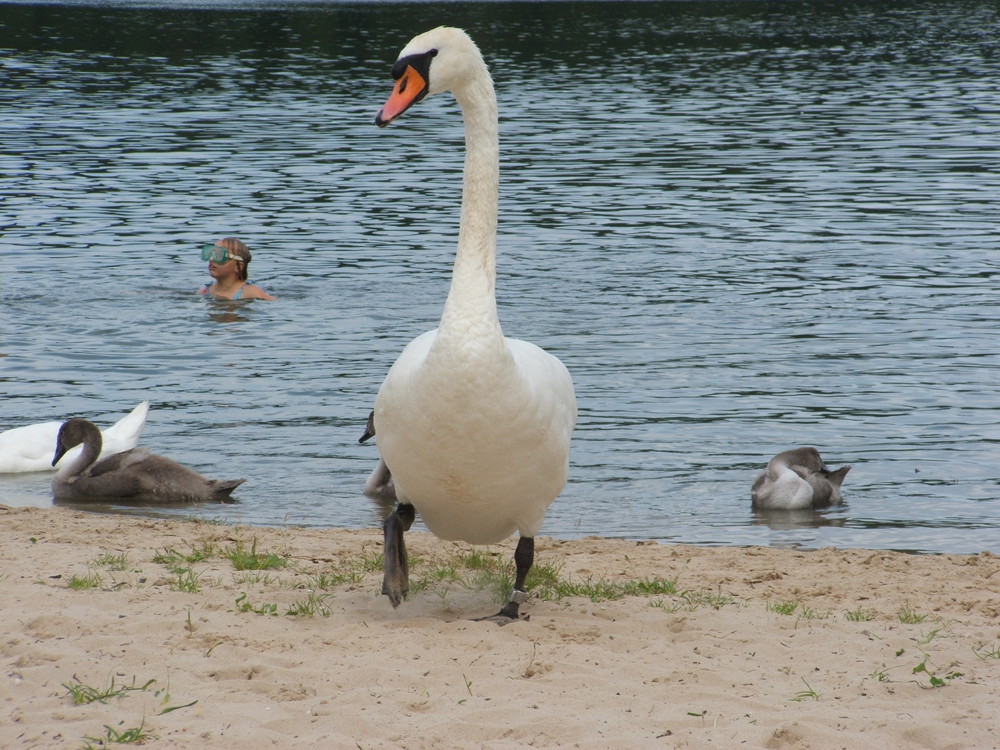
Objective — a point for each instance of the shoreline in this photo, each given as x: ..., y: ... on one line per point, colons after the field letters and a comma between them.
x: 748, y: 646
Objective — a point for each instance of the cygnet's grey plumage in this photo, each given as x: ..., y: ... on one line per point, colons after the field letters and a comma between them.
x: 797, y: 479
x: 132, y: 476
x: 379, y: 484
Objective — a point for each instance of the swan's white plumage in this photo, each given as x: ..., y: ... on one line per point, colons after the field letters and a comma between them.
x: 474, y: 427
x: 782, y: 489
x: 30, y: 448
x: 797, y: 479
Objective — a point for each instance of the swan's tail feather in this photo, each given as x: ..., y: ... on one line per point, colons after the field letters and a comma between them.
x: 837, y: 477
x: 223, y: 488
x: 128, y: 428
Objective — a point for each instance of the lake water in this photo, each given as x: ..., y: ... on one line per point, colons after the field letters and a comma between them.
x: 743, y: 226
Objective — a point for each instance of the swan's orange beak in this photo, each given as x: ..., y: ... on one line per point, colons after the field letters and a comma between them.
x: 410, y: 89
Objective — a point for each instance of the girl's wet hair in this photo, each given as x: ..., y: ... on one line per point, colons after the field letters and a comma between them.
x: 238, y: 250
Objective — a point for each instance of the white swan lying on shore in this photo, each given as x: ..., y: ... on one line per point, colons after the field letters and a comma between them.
x: 29, y: 448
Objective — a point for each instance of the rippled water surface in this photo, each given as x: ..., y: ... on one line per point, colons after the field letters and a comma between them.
x: 743, y: 226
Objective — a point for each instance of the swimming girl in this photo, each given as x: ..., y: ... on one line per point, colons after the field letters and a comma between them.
x: 228, y: 260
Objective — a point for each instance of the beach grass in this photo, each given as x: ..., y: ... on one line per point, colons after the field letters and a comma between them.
x: 250, y: 558
x: 83, y: 694
x: 807, y: 694
x: 909, y: 616
x: 171, y: 557
x: 120, y: 734
x: 782, y: 607
x: 860, y: 615
x: 473, y: 568
x: 184, y: 579
x: 985, y: 652
x: 92, y: 580
x: 113, y: 561
x: 112, y: 736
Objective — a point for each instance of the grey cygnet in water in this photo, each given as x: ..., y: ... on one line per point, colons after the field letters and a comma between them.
x: 379, y: 484
x: 132, y: 476
x: 798, y: 479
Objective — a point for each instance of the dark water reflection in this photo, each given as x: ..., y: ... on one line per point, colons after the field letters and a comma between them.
x: 744, y: 226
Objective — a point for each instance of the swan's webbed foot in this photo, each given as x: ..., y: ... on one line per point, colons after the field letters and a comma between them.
x: 511, y: 610
x: 524, y: 558
x: 396, y: 569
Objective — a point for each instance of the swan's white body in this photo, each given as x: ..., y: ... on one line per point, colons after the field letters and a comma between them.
x: 474, y: 427
x: 30, y: 448
x: 798, y: 479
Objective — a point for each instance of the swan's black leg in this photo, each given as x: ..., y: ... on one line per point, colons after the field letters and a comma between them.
x: 524, y: 557
x: 396, y: 569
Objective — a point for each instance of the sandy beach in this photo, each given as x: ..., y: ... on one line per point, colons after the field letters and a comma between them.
x: 127, y: 628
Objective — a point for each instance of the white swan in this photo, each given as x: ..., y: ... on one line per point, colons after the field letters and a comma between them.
x: 474, y: 427
x: 798, y: 479
x: 29, y: 448
x: 135, y: 476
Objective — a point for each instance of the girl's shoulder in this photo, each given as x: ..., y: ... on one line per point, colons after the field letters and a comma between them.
x: 252, y: 291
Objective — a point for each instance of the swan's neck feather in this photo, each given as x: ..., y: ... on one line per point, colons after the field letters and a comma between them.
x: 471, y: 300
x: 70, y: 471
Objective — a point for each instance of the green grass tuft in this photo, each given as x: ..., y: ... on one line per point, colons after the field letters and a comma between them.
x: 861, y: 615
x: 83, y: 694
x: 984, y: 652
x: 113, y: 562
x: 184, y: 579
x: 243, y: 558
x: 243, y: 604
x: 81, y: 583
x: 131, y: 736
x: 313, y: 605
x: 807, y: 694
x: 173, y: 558
x: 908, y: 616
x: 783, y: 607
x: 254, y: 578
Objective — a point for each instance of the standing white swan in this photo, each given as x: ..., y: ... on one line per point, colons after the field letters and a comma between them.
x: 474, y: 427
x: 29, y: 448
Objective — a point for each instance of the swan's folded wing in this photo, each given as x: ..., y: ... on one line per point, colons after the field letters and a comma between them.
x: 550, y: 384
x: 119, y: 462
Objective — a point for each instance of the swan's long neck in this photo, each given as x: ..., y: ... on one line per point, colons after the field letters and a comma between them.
x: 90, y: 451
x: 471, y: 300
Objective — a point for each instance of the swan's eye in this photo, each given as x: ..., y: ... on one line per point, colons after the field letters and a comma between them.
x: 411, y: 74
x: 420, y: 62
